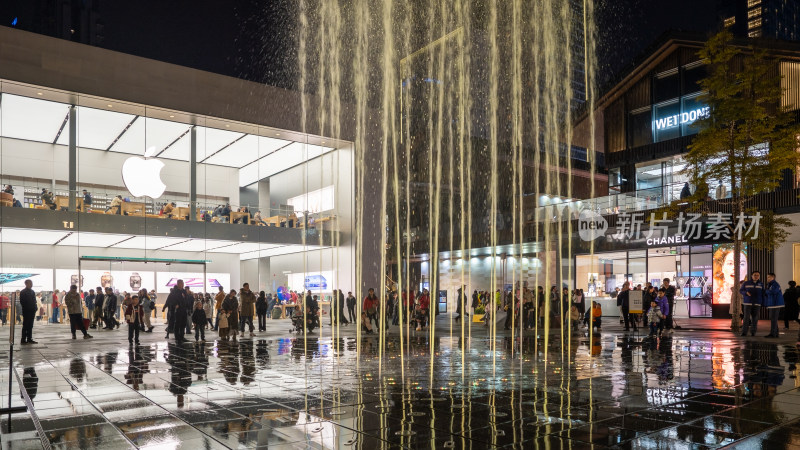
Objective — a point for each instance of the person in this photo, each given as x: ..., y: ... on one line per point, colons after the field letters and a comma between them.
x: 75, y: 310
x: 231, y: 307
x: 218, y: 299
x: 792, y: 307
x: 686, y: 191
x: 199, y: 321
x: 654, y: 318
x: 773, y: 301
x: 116, y: 205
x: 133, y: 316
x: 664, y: 306
x: 574, y: 316
x: 8, y: 189
x: 4, y: 305
x: 614, y: 293
x: 110, y: 306
x: 88, y: 299
x: 270, y: 306
x: 424, y: 307
x: 597, y: 315
x: 27, y: 301
x: 351, y: 306
x: 461, y: 302
x: 208, y: 307
x: 258, y: 219
x: 752, y: 292
x: 87, y: 199
x: 47, y: 198
x: 54, y: 305
x: 370, y: 307
x: 188, y: 307
x: 147, y: 305
x: 248, y: 301
x: 623, y: 299
x: 176, y: 302
x: 97, y: 317
x: 261, y: 311
x: 669, y: 292
x: 222, y: 324
x: 340, y: 307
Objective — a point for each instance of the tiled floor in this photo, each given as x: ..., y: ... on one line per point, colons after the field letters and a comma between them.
x: 692, y: 389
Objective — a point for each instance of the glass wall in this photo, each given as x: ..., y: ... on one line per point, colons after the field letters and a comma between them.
x: 87, y: 176
x: 689, y: 269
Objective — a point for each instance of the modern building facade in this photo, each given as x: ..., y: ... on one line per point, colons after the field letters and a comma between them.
x: 644, y: 126
x: 131, y: 173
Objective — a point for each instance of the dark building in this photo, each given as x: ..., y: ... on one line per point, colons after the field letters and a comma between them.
x: 73, y: 20
x: 775, y: 19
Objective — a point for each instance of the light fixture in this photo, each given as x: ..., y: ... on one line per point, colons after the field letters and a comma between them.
x: 110, y: 106
x: 277, y: 134
x: 227, y: 126
x: 171, y: 116
x: 38, y: 93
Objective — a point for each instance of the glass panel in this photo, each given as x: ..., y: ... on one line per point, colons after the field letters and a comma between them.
x: 692, y: 110
x: 640, y: 128
x: 666, y: 87
x: 666, y: 121
x: 692, y: 77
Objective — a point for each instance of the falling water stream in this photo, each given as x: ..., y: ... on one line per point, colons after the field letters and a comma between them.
x: 461, y: 111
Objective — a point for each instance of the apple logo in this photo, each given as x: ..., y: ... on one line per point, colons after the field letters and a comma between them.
x: 142, y: 176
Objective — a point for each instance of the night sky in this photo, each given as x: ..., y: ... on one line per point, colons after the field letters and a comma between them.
x: 255, y: 39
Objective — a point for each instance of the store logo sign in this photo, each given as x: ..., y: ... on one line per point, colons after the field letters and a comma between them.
x: 665, y: 123
x: 591, y: 225
x: 142, y: 176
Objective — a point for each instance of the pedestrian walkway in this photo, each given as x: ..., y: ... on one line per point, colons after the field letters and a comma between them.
x: 700, y: 388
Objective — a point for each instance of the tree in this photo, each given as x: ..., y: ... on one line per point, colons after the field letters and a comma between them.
x: 747, y: 139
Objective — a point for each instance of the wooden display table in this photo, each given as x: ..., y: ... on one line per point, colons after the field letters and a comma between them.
x: 240, y: 215
x: 275, y: 221
x: 132, y: 209
x: 63, y: 202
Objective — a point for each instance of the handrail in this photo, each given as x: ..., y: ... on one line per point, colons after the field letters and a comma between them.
x: 35, y: 417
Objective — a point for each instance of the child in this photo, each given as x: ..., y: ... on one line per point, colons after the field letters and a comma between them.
x: 199, y: 320
x: 654, y: 318
x: 223, y: 325
x: 597, y: 315
x: 133, y: 315
x: 574, y: 317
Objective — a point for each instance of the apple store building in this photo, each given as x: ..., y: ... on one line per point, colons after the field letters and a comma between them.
x: 123, y: 172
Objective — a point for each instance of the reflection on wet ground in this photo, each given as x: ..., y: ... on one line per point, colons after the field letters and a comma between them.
x: 689, y: 390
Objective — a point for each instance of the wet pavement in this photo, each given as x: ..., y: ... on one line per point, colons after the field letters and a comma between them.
x: 690, y: 389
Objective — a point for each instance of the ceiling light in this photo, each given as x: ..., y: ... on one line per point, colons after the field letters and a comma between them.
x: 277, y: 134
x: 171, y: 116
x: 39, y: 93
x: 227, y: 126
x: 110, y: 106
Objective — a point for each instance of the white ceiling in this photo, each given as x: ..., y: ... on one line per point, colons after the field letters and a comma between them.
x: 245, y: 250
x: 39, y: 120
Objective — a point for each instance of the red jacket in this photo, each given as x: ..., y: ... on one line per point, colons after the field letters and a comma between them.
x: 133, y: 314
x: 4, y: 302
x: 424, y: 302
x: 369, y: 303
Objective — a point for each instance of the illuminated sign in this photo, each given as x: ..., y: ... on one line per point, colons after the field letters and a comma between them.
x: 676, y: 239
x: 685, y: 118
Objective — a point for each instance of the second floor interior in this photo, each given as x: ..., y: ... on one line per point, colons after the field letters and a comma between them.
x: 113, y: 174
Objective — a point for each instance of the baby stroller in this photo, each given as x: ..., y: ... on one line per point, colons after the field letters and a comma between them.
x: 298, y: 323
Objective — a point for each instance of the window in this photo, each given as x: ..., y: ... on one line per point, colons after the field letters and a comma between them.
x: 666, y: 121
x: 755, y: 23
x: 314, y: 201
x: 692, y: 110
x: 752, y: 3
x: 755, y: 12
x: 730, y: 21
x: 640, y: 128
x: 692, y: 74
x: 614, y: 181
x: 667, y: 86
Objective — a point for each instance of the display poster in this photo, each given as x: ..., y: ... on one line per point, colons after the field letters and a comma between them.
x: 119, y: 280
x: 194, y: 281
x: 724, y: 272
x: 635, y: 302
x: 311, y: 281
x: 14, y: 279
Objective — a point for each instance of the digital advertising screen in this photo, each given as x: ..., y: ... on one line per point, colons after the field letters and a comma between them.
x: 194, y: 281
x: 724, y: 272
x: 120, y: 280
x: 14, y: 279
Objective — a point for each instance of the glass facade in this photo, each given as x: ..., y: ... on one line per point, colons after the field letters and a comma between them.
x: 688, y: 267
x: 101, y: 178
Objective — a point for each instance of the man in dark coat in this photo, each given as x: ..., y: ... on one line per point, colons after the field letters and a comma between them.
x: 110, y: 307
x: 27, y: 298
x: 791, y: 310
x: 97, y: 317
x: 177, y: 303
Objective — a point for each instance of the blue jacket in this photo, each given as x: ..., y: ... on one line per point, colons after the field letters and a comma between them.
x: 756, y: 290
x: 663, y: 304
x: 774, y: 296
